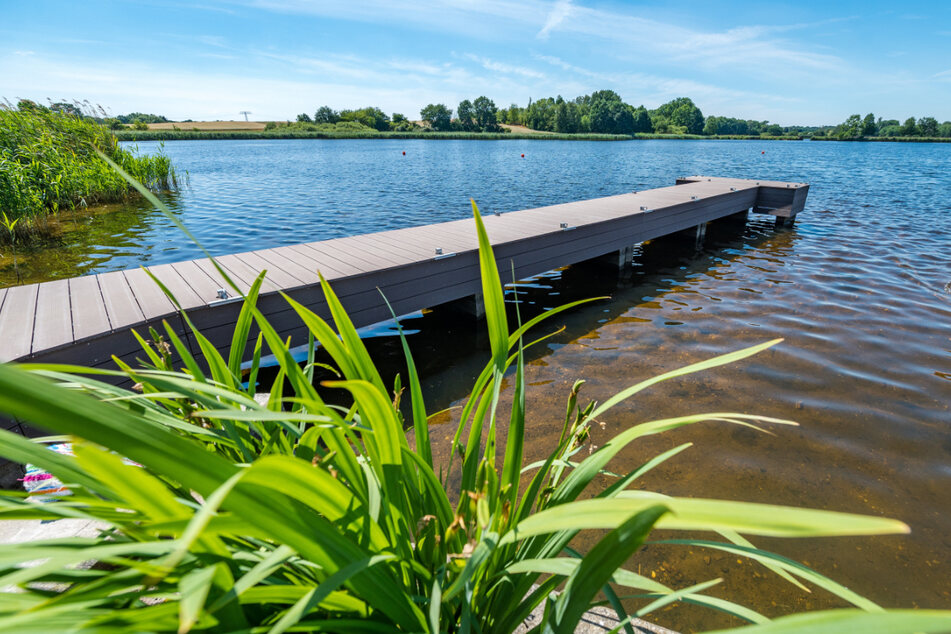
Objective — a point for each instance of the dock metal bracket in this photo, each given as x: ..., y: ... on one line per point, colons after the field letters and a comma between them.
x: 224, y: 297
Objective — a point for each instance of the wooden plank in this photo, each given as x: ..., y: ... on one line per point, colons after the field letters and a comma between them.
x: 258, y: 262
x: 89, y: 310
x: 16, y: 322
x: 53, y: 326
x: 299, y: 266
x: 325, y: 263
x: 203, y: 279
x: 151, y: 299
x: 360, y: 249
x: 184, y: 289
x: 121, y: 306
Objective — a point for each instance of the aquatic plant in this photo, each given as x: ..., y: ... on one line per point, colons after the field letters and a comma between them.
x: 49, y: 162
x: 297, y: 514
x: 10, y: 224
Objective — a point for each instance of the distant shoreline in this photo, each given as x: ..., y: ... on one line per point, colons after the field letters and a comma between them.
x: 183, y: 134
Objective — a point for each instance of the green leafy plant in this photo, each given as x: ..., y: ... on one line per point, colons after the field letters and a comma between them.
x: 10, y: 226
x: 298, y: 514
x: 49, y: 161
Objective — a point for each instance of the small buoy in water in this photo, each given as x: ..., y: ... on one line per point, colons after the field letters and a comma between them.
x: 763, y: 152
x: 404, y: 153
x: 523, y: 156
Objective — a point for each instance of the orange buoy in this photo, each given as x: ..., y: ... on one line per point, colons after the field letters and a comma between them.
x: 404, y: 153
x: 763, y: 152
x: 523, y: 156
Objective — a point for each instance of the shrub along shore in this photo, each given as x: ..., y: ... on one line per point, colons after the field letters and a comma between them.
x: 49, y: 162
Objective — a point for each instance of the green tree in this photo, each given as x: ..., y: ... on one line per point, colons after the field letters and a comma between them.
x: 642, y: 120
x: 774, y: 129
x: 304, y: 118
x: 909, y: 128
x: 465, y: 115
x: 370, y: 116
x: 928, y: 126
x: 540, y: 114
x: 485, y: 114
x: 944, y: 130
x: 609, y: 114
x: 869, y: 127
x: 850, y: 129
x: 682, y: 112
x: 438, y: 116
x: 326, y: 114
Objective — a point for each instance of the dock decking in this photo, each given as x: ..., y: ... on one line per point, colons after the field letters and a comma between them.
x: 87, y: 319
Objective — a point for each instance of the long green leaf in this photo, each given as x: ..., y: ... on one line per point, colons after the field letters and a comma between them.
x: 846, y: 620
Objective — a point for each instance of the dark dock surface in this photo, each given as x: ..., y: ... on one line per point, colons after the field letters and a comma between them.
x: 87, y: 319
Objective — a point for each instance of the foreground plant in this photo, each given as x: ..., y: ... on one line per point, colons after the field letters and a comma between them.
x: 300, y: 515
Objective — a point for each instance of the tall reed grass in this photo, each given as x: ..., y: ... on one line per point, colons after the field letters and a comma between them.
x: 299, y: 515
x: 49, y: 162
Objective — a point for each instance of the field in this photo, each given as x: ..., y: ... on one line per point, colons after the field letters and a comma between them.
x: 207, y: 126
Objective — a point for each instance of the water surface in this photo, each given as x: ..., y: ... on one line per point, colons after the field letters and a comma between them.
x: 858, y: 288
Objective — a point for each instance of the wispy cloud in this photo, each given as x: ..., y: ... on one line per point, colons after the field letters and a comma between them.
x: 559, y: 12
x: 501, y: 67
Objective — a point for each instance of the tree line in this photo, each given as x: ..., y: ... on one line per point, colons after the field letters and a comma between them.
x: 858, y: 127
x: 601, y: 112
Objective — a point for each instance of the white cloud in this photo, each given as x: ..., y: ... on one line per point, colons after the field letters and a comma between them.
x: 501, y: 67
x: 559, y: 12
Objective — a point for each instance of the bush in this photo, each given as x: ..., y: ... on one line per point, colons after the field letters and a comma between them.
x: 306, y: 516
x: 49, y: 161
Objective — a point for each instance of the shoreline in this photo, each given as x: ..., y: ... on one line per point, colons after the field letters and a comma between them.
x: 221, y: 135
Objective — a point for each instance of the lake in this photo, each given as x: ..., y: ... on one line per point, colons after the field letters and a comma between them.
x: 859, y: 287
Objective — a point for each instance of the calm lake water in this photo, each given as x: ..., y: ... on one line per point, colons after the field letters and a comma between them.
x: 860, y: 288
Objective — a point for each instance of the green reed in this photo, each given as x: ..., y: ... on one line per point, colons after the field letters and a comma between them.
x: 49, y: 162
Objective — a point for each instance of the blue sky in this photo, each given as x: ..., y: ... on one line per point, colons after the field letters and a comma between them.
x: 801, y: 62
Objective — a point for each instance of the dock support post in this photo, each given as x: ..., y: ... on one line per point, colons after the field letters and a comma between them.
x: 624, y: 257
x: 783, y: 222
x: 473, y: 305
x: 701, y: 234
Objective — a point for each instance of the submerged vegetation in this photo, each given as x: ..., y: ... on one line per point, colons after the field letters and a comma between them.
x: 300, y: 515
x: 49, y: 162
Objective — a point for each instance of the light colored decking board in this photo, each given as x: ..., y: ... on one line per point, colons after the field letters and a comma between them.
x: 150, y: 297
x: 122, y: 307
x: 88, y: 309
x: 53, y: 325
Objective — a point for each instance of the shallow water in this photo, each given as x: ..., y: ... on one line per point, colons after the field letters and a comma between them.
x: 858, y: 288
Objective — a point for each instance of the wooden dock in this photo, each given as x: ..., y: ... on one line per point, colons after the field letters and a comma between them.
x: 87, y: 319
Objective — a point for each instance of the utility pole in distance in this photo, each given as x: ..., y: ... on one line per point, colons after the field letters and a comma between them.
x: 245, y: 113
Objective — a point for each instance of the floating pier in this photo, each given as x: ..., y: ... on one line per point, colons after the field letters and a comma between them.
x: 86, y: 320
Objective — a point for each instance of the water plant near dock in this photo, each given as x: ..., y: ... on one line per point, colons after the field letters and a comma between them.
x: 49, y: 162
x: 301, y: 515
